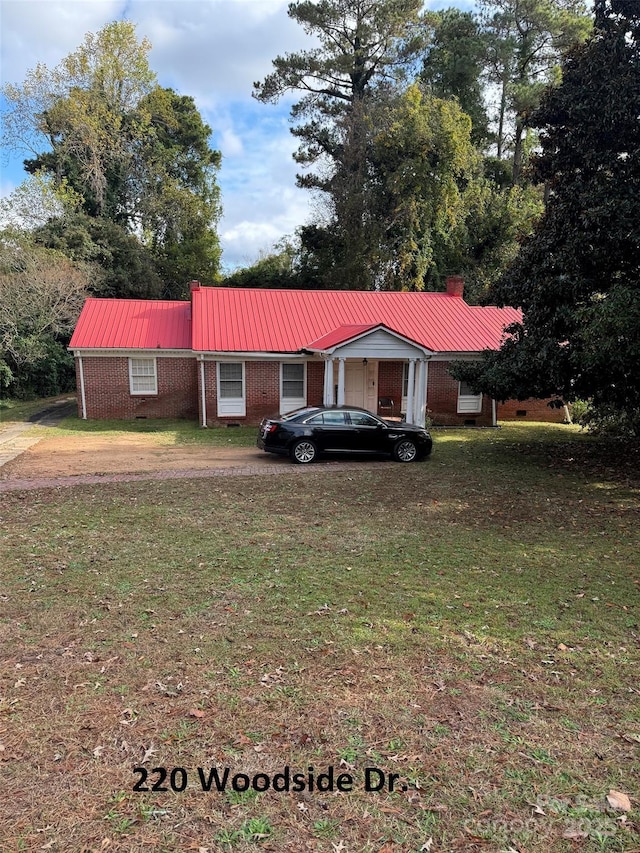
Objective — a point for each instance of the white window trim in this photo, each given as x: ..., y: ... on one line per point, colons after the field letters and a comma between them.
x: 469, y: 404
x: 232, y: 407
x: 144, y: 393
x: 289, y: 404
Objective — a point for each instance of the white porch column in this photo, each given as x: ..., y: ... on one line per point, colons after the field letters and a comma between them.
x: 341, y: 382
x: 421, y: 393
x: 411, y: 382
x: 327, y: 396
x: 426, y: 388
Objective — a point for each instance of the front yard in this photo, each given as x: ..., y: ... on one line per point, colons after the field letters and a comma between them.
x: 470, y: 624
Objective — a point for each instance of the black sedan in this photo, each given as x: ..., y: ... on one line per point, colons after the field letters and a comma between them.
x: 305, y: 433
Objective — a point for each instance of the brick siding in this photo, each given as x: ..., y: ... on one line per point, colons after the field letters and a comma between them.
x: 315, y: 383
x: 442, y: 400
x: 390, y: 385
x: 107, y: 395
x: 530, y: 410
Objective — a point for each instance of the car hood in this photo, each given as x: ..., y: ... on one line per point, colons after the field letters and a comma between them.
x: 405, y: 427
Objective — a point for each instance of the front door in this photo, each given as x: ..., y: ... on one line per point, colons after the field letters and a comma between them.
x: 361, y: 384
x: 354, y: 383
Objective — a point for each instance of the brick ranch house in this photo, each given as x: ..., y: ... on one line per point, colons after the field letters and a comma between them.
x: 234, y: 355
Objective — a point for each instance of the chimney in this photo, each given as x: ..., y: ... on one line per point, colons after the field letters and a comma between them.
x: 455, y: 285
x: 194, y: 285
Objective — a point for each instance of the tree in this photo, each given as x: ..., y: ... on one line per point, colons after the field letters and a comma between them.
x: 454, y: 65
x: 84, y: 111
x: 364, y: 47
x: 422, y: 161
x: 41, y: 295
x: 135, y: 154
x: 526, y: 40
x: 176, y: 184
x: 121, y: 265
x: 577, y: 278
x: 275, y: 269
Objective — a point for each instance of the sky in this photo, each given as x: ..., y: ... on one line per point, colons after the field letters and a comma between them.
x: 212, y: 50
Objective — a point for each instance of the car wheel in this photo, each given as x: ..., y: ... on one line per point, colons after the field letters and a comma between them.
x: 405, y: 450
x: 303, y: 451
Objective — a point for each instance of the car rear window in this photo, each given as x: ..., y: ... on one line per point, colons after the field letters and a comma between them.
x: 297, y: 413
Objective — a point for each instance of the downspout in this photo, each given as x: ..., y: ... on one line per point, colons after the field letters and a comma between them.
x: 83, y: 399
x: 203, y: 394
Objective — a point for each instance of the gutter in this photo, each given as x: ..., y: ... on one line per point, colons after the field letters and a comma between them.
x: 83, y: 399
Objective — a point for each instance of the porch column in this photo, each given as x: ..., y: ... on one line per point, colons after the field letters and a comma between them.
x: 426, y: 388
x: 341, y: 382
x: 421, y: 393
x: 327, y: 396
x: 411, y: 381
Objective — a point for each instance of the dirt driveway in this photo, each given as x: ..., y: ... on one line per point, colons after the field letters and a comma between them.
x: 28, y: 454
x: 93, y: 454
x: 81, y: 454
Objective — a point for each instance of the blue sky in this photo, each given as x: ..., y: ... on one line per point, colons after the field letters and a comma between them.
x: 212, y: 50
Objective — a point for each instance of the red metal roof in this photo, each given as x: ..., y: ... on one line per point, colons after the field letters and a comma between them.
x: 250, y: 320
x: 340, y: 335
x: 133, y: 324
x: 286, y: 321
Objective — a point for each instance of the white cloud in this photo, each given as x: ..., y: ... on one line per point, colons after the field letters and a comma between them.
x: 213, y: 50
x: 37, y: 31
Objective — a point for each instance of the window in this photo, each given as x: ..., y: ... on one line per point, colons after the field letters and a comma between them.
x: 231, y: 398
x: 143, y: 378
x: 362, y: 419
x: 468, y: 402
x: 231, y: 381
x: 292, y: 381
x: 405, y: 379
x: 329, y: 418
x: 293, y: 393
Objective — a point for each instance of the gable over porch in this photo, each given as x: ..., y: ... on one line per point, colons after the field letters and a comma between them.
x: 352, y: 355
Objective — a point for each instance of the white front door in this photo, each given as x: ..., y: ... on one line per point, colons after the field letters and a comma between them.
x: 361, y: 384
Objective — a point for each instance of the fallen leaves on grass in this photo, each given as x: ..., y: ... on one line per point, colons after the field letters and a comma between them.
x: 619, y: 801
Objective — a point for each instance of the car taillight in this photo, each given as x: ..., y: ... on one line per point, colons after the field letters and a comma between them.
x: 270, y: 427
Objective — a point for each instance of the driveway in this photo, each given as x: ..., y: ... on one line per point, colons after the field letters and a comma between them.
x: 16, y: 438
x: 29, y: 461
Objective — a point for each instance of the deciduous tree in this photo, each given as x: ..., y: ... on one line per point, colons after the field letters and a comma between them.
x: 41, y: 294
x: 135, y: 154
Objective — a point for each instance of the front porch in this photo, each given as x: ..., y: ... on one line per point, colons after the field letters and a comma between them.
x: 352, y: 356
x: 392, y: 387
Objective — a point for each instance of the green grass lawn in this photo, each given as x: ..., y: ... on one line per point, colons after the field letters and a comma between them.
x: 470, y: 624
x: 162, y: 431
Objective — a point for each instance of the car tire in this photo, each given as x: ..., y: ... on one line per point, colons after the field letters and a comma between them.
x: 405, y: 450
x: 303, y: 452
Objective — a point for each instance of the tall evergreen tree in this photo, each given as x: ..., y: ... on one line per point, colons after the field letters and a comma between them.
x: 454, y: 65
x: 364, y: 48
x: 526, y: 40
